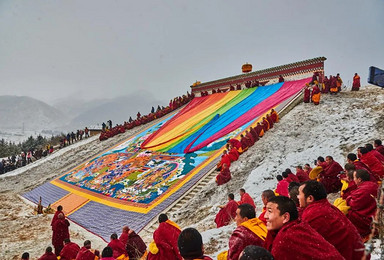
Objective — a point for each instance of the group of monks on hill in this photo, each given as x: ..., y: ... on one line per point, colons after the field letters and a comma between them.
x: 298, y: 222
x: 320, y: 85
x: 175, y: 103
x: 235, y: 147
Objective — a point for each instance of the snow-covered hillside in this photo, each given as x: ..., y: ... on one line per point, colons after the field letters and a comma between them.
x: 336, y: 127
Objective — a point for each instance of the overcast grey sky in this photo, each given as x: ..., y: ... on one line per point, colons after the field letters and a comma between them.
x: 96, y: 49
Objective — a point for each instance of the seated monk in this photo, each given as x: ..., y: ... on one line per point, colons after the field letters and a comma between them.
x: 352, y: 159
x: 233, y: 153
x: 274, y: 116
x: 254, y: 134
x: 227, y: 212
x: 270, y: 121
x: 251, y: 140
x: 265, y: 124
x: 290, y: 238
x: 316, y: 95
x: 224, y: 159
x: 244, y: 143
x: 49, y: 255
x: 250, y: 231
x: 224, y: 176
x: 307, y: 94
x: 282, y: 186
x: 307, y: 168
x: 338, y: 231
x: 118, y: 247
x: 165, y: 238
x: 301, y: 174
x: 265, y: 197
x: 371, y: 161
x: 231, y: 88
x: 259, y: 130
x: 291, y: 176
x: 245, y: 198
x: 69, y: 250
x: 86, y: 252
x: 235, y: 143
x: 347, y: 180
x: 190, y: 244
x: 379, y: 146
x: 329, y: 176
x: 135, y: 246
x: 375, y: 153
x: 362, y: 203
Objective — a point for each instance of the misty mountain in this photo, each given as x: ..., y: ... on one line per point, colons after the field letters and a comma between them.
x: 34, y: 114
x: 116, y: 109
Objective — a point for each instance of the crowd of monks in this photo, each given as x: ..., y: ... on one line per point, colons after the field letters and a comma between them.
x: 235, y: 147
x: 175, y: 103
x: 324, y: 85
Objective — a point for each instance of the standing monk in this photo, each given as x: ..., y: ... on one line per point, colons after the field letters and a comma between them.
x: 356, y: 82
x: 307, y: 93
x: 227, y: 212
x: 316, y: 95
x: 60, y: 233
x: 165, y: 240
x: 339, y: 82
x: 333, y: 85
x: 58, y: 211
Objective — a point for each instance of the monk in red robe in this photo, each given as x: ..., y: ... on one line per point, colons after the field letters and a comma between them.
x: 326, y: 85
x: 224, y: 176
x: 86, y: 252
x: 307, y: 94
x: 259, y: 130
x: 245, y: 198
x: 58, y: 211
x: 352, y: 159
x: 329, y: 176
x: 371, y: 161
x: 117, y: 246
x: 233, y: 153
x: 224, y: 159
x: 356, y: 82
x: 333, y: 85
x: 235, y: 143
x: 281, y: 79
x: 282, y: 186
x: 135, y: 246
x: 254, y: 134
x: 69, y: 251
x: 316, y: 95
x: 49, y: 255
x: 290, y: 177
x: 265, y: 124
x: 338, y: 231
x: 339, y: 82
x: 60, y: 232
x: 244, y: 143
x: 165, y: 238
x: 288, y: 238
x: 270, y: 121
x: 301, y: 174
x: 274, y: 116
x: 124, y: 235
x: 250, y: 231
x: 362, y: 202
x: 375, y: 153
x: 227, y: 212
x: 379, y: 146
x: 265, y: 196
x: 307, y: 168
x: 251, y: 140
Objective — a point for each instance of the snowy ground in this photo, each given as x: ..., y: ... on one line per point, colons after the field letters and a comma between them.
x: 336, y: 127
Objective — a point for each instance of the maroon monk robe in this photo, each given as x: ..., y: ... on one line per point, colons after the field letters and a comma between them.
x: 270, y: 121
x: 374, y: 164
x: 362, y: 204
x: 244, y: 143
x: 338, y: 231
x: 282, y: 188
x: 302, y: 175
x: 360, y: 165
x: 258, y: 129
x: 356, y: 83
x: 380, y: 149
x: 254, y: 134
x: 265, y: 125
x: 85, y: 254
x: 329, y: 177
x: 165, y: 237
x: 297, y: 240
x: 251, y: 140
x: 378, y: 155
x: 124, y: 237
x: 69, y: 251
x: 224, y: 176
x: 118, y: 248
x: 48, y: 256
x: 226, y: 214
x: 291, y: 177
x: 351, y: 187
x: 235, y: 143
x: 135, y: 246
x: 55, y: 217
x: 307, y: 95
x: 60, y: 232
x: 233, y: 154
x: 246, y: 199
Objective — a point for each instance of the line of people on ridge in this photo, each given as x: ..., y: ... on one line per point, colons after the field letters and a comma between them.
x: 234, y: 147
x: 108, y: 131
x: 320, y: 85
x: 73, y: 137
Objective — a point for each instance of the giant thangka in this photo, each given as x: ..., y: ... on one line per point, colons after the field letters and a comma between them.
x: 133, y: 182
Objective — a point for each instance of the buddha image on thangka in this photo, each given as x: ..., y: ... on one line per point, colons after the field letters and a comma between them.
x: 135, y: 177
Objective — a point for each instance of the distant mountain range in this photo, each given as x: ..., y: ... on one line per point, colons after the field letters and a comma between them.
x: 71, y: 113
